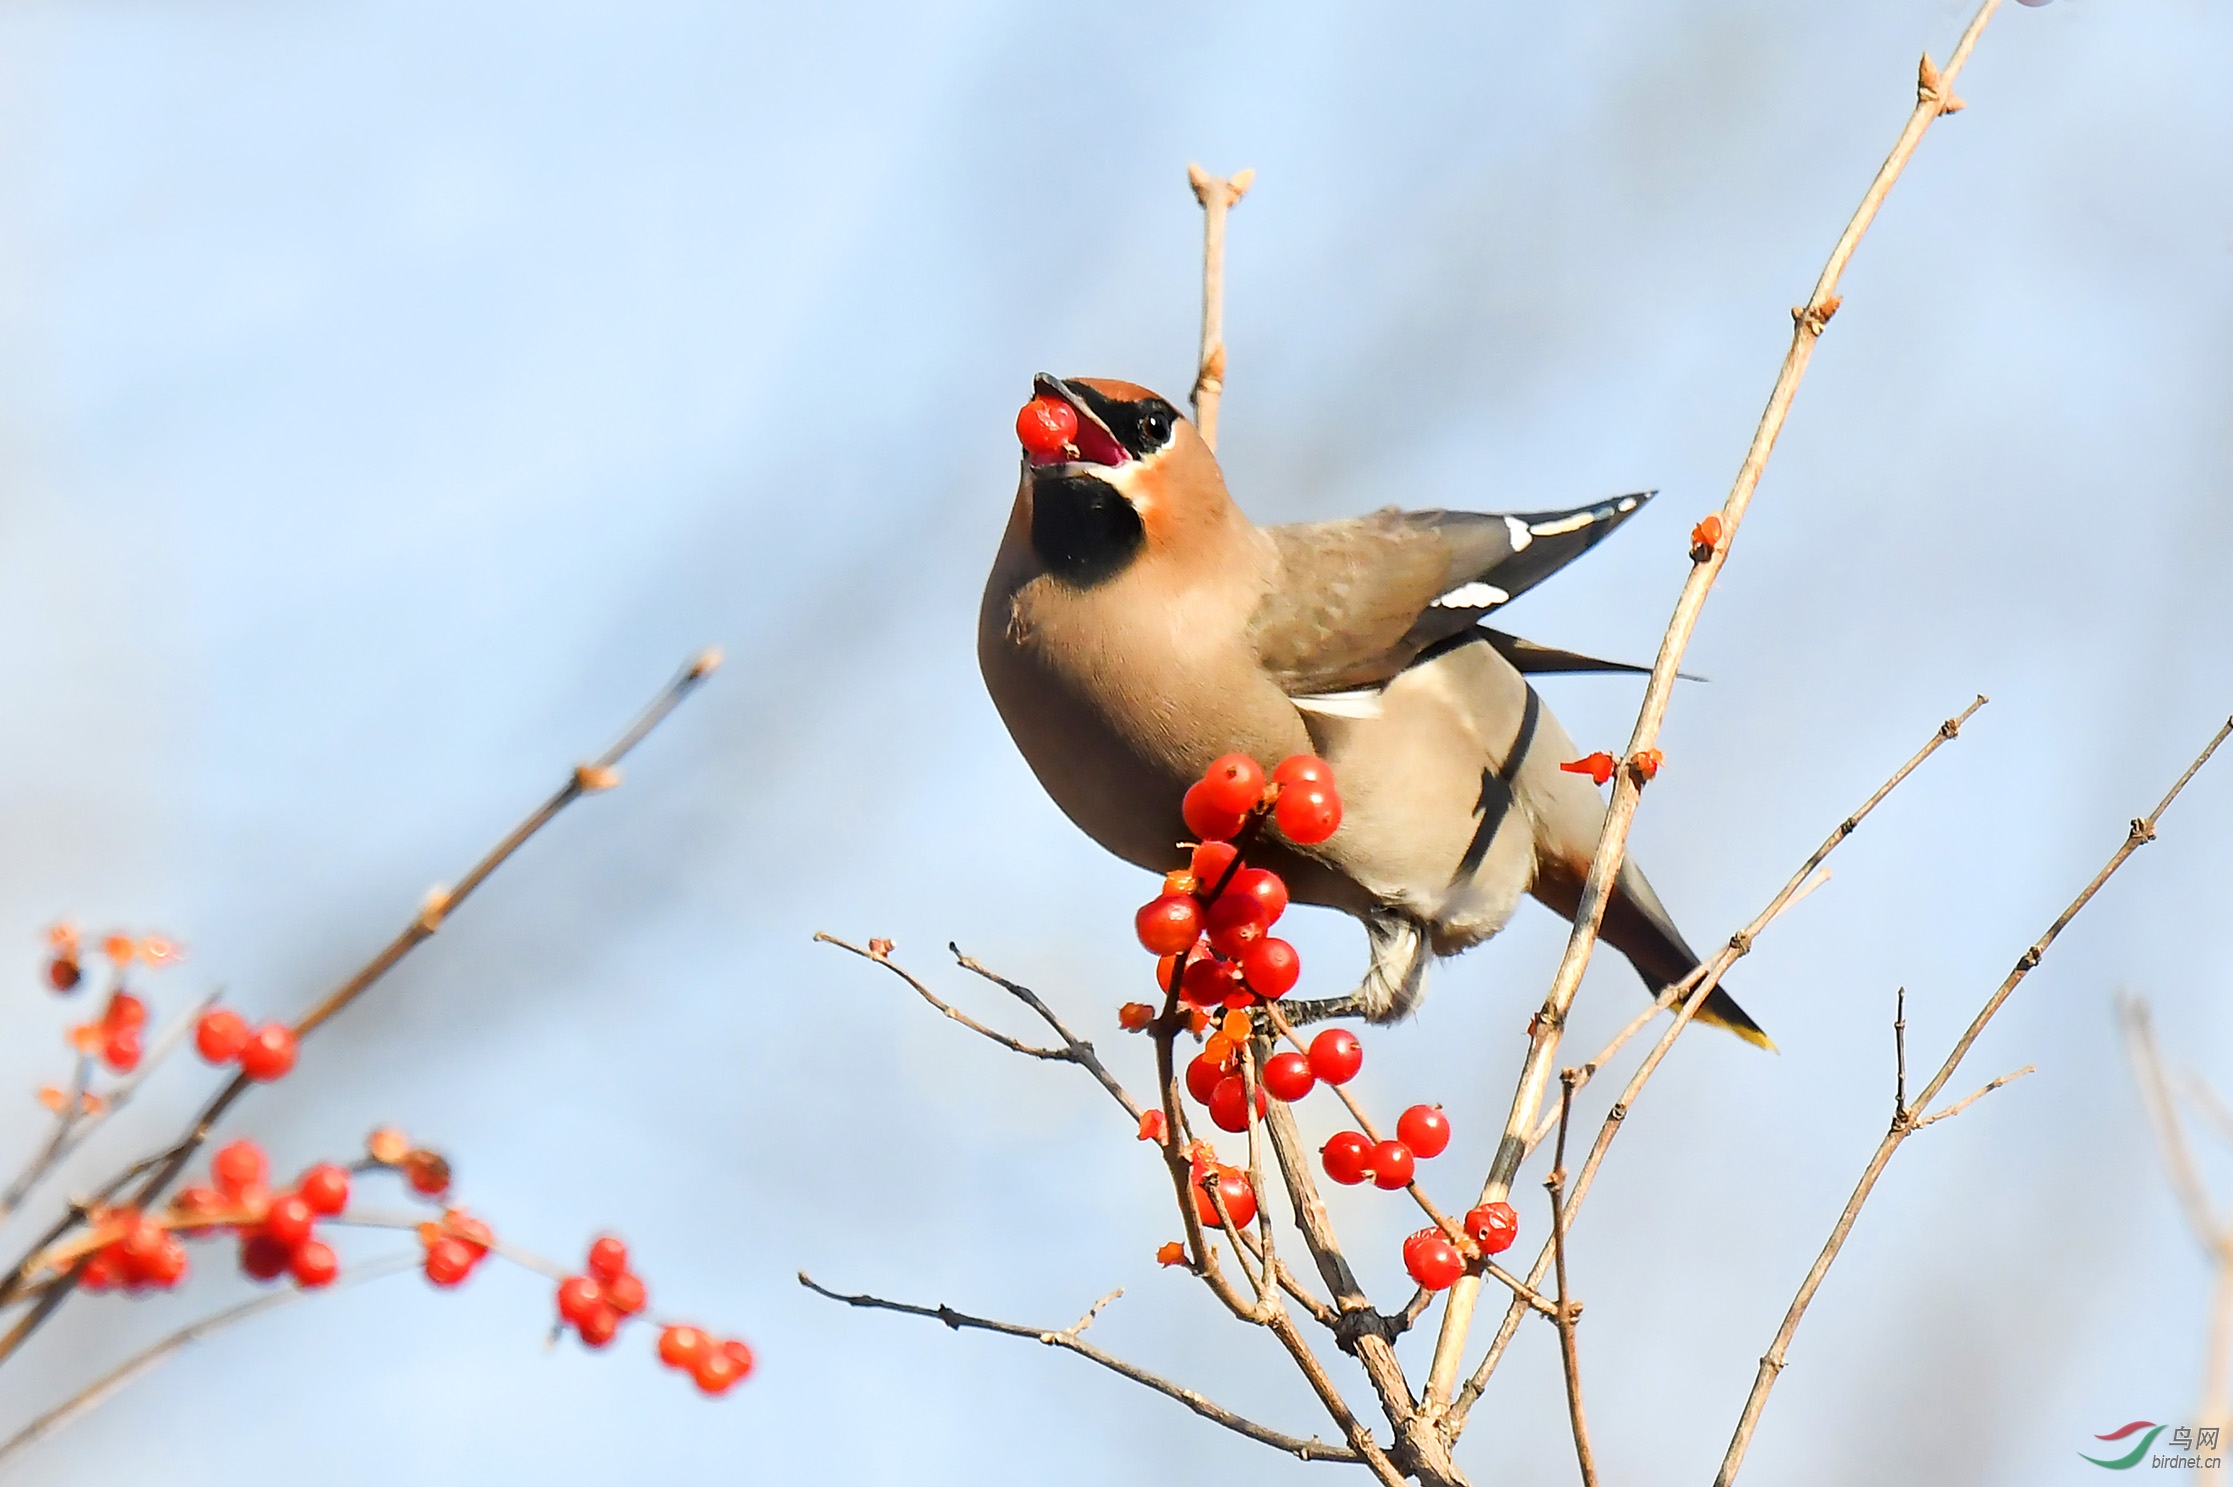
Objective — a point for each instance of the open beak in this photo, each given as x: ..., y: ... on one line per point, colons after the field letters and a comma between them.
x: 1093, y: 445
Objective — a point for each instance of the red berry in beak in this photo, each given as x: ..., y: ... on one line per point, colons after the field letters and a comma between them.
x: 1047, y: 427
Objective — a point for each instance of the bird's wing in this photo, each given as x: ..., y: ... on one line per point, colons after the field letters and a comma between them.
x: 1356, y: 601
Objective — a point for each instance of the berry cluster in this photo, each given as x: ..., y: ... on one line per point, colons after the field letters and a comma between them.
x: 1211, y: 929
x: 264, y: 1053
x: 594, y: 1303
x: 717, y: 1364
x: 1211, y: 926
x: 115, y: 1036
x: 277, y: 1229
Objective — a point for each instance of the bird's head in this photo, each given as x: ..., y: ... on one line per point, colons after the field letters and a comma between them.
x: 1112, y: 470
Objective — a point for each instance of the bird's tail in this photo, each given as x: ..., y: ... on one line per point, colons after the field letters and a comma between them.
x: 1638, y: 925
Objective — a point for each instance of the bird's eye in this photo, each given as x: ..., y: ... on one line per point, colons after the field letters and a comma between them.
x: 1154, y: 427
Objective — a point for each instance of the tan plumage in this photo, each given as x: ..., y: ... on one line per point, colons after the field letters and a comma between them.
x: 1136, y: 625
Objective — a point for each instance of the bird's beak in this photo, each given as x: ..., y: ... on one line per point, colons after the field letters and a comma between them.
x: 1094, y: 444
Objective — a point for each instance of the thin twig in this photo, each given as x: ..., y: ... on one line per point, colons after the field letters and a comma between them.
x: 1899, y: 1056
x: 1075, y: 1048
x: 1312, y: 1449
x: 1218, y: 197
x: 2141, y: 832
x: 112, y: 1383
x: 1569, y: 1310
x: 946, y: 1009
x: 598, y: 775
x: 2163, y: 1120
x: 74, y: 1132
x: 1699, y: 986
x: 1968, y: 1100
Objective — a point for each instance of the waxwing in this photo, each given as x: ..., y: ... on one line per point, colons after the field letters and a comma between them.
x: 1137, y: 625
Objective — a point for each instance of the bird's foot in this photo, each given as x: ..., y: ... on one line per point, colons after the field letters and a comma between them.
x: 1321, y: 1009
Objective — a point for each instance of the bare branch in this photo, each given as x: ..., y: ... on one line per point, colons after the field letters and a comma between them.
x: 1568, y: 1309
x: 1312, y: 1449
x: 132, y: 1369
x: 1963, y: 1104
x: 1218, y: 197
x: 2163, y: 1119
x: 1074, y: 1048
x: 2141, y: 831
x: 600, y: 774
x: 945, y: 1009
x: 1692, y: 991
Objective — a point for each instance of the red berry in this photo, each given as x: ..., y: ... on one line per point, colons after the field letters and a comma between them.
x: 608, y: 1258
x: 1336, y: 1055
x: 1308, y: 814
x: 1493, y: 1226
x: 1205, y: 820
x: 1271, y: 968
x: 1043, y: 426
x: 264, y: 1257
x: 1287, y: 1075
x: 1232, y: 1186
x: 254, y: 1200
x: 740, y: 1355
x: 427, y: 1172
x: 269, y: 1052
x: 101, y: 1272
x: 1208, y: 982
x: 141, y: 1238
x: 314, y: 1264
x: 221, y: 1035
x: 197, y: 1199
x: 1170, y: 924
x: 167, y: 1265
x: 578, y: 1298
x: 1433, y: 1261
x: 120, y: 1048
x: 1425, y: 1129
x: 1228, y: 1103
x: 598, y: 1327
x: 325, y: 1188
x: 1347, y: 1158
x: 1303, y: 769
x: 1234, y: 783
x: 1391, y: 1165
x: 64, y: 973
x: 449, y: 1261
x: 683, y: 1346
x: 125, y: 1010
x: 1234, y: 924
x: 238, y: 1165
x: 1203, y: 1074
x: 289, y: 1219
x: 1209, y: 863
x: 470, y: 1232
x: 715, y: 1371
x: 626, y: 1293
x: 1266, y: 887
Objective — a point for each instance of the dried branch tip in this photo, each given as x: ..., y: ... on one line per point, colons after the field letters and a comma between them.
x: 708, y: 662
x: 1234, y: 186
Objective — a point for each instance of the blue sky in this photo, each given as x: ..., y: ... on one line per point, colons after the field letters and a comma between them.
x: 392, y: 396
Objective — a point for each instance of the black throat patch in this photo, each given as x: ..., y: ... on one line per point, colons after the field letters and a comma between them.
x: 1082, y: 529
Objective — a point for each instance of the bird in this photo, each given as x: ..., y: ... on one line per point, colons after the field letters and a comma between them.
x: 1136, y: 626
